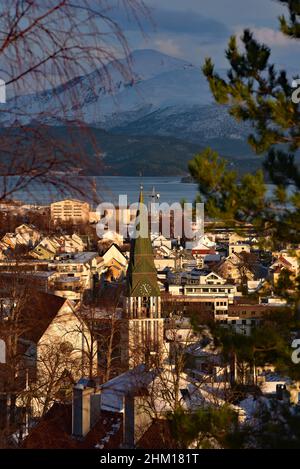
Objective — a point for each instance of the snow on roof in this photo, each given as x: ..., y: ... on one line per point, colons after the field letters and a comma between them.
x: 203, y: 243
x: 67, y: 279
x: 130, y: 380
x: 271, y: 380
x: 249, y: 407
x: 80, y: 257
x: 275, y: 377
x: 41, y: 274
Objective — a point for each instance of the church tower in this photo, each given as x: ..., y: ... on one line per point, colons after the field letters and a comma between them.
x: 142, y: 334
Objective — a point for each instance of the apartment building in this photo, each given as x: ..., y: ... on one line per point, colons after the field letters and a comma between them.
x: 68, y: 275
x: 70, y: 210
x: 84, y: 266
x: 200, y: 290
x: 201, y: 282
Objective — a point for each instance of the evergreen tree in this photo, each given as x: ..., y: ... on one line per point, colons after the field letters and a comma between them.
x: 291, y: 27
x: 206, y: 428
x: 256, y: 92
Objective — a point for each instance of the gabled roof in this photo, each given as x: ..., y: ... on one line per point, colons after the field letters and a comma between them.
x: 283, y: 260
x: 115, y: 246
x: 158, y: 436
x: 131, y: 381
x: 54, y: 430
x: 27, y: 227
x: 37, y: 312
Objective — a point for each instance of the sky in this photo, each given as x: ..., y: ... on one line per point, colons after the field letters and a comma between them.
x: 187, y: 29
x: 194, y: 29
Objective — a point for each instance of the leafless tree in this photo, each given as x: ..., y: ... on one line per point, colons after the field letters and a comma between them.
x: 42, y: 364
x: 13, y: 327
x: 99, y: 325
x: 52, y: 378
x: 171, y: 367
x: 44, y: 45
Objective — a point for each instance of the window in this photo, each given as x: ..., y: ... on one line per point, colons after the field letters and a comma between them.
x: 185, y: 393
x: 66, y: 348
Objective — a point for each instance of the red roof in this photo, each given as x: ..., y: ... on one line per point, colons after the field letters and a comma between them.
x: 37, y: 313
x: 158, y: 436
x: 55, y: 431
x: 203, y: 251
x: 284, y: 261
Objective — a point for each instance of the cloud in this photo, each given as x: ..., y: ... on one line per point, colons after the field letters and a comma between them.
x: 230, y: 12
x: 173, y: 21
x: 168, y: 46
x: 272, y: 37
x: 268, y: 36
x: 189, y: 22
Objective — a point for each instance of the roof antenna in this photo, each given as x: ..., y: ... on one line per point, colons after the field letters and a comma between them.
x: 141, y: 184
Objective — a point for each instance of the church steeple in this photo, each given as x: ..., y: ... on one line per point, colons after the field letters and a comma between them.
x: 141, y: 274
x: 142, y: 332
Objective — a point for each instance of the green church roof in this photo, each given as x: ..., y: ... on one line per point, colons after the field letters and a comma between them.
x: 141, y: 274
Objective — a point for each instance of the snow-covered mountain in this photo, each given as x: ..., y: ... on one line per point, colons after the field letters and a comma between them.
x: 162, y: 95
x: 193, y: 123
x: 155, y: 81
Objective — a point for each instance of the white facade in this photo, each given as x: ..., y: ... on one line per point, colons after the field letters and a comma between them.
x: 203, y: 284
x: 237, y: 248
x: 158, y: 241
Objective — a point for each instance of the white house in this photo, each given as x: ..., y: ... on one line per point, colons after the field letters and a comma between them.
x: 160, y: 240
x: 57, y: 349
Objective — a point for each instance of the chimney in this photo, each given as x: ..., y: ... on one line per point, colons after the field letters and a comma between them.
x: 129, y: 424
x: 136, y: 420
x: 85, y: 407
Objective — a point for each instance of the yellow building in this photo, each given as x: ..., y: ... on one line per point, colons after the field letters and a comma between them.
x: 72, y: 210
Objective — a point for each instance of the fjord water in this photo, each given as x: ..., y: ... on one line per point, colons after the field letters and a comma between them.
x: 108, y: 189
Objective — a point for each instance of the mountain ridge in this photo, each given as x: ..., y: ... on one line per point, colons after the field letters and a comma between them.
x: 164, y: 98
